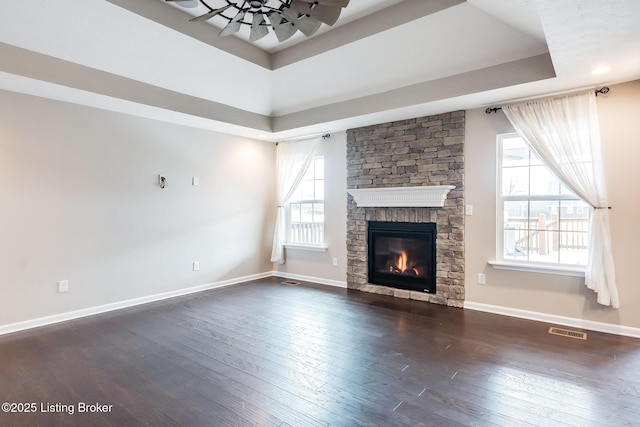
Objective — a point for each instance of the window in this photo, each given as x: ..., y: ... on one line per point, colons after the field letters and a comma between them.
x: 305, y: 209
x: 539, y: 219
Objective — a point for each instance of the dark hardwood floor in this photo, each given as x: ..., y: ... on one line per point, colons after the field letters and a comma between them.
x: 268, y: 354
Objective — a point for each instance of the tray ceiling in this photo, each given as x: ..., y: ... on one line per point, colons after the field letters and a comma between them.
x: 383, y: 60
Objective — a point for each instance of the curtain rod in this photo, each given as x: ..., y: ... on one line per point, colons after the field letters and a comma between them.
x: 602, y: 90
x: 306, y: 138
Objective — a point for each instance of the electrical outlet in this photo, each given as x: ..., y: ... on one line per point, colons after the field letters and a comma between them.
x: 334, y: 261
x: 195, y: 181
x: 196, y: 266
x: 482, y: 279
x: 468, y: 210
x: 63, y: 286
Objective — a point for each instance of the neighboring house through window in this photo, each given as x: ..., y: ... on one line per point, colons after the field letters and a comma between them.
x: 305, y: 209
x: 539, y: 219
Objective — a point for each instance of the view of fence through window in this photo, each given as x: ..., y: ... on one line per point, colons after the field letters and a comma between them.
x: 306, y: 207
x: 543, y: 221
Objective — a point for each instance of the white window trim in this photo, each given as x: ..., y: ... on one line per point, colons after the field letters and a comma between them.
x: 306, y: 247
x: 528, y: 266
x: 559, y: 269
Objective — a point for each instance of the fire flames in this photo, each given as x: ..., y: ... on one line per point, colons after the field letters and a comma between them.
x: 402, y: 262
x: 402, y: 265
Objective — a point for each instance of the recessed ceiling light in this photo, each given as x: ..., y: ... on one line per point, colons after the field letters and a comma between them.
x: 600, y: 70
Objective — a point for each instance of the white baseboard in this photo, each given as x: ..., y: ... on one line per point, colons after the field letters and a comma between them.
x: 495, y: 309
x: 318, y: 280
x: 48, y: 320
x: 559, y: 320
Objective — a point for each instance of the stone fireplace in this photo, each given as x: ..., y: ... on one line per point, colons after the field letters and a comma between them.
x: 423, y: 152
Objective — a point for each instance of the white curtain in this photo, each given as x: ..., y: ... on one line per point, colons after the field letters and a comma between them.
x: 292, y: 161
x: 565, y: 134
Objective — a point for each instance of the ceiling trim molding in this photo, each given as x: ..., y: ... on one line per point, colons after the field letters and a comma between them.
x: 29, y: 64
x: 383, y: 20
x: 512, y: 73
x: 26, y: 63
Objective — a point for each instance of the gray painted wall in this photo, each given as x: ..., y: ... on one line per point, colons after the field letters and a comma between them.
x: 80, y: 201
x: 545, y: 293
x: 318, y: 264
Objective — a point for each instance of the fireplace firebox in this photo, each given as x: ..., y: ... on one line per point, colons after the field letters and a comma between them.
x: 402, y: 255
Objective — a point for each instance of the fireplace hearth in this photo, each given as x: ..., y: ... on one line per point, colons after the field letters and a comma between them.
x: 402, y: 255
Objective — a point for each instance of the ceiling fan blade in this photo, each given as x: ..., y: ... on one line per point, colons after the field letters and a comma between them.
x: 308, y: 26
x: 341, y: 3
x: 327, y: 14
x: 210, y: 14
x: 188, y: 4
x: 258, y: 27
x: 282, y: 28
x: 234, y: 25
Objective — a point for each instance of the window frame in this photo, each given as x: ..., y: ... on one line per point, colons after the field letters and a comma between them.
x: 526, y: 264
x: 289, y: 243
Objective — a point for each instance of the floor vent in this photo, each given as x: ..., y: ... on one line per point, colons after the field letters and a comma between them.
x: 568, y: 333
x: 290, y: 282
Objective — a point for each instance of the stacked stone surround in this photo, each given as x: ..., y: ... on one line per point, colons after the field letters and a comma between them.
x: 416, y: 152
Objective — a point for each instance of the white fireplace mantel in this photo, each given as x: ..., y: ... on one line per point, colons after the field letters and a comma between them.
x: 432, y: 196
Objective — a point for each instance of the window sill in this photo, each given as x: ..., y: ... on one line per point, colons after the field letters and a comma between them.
x: 537, y: 268
x: 306, y: 247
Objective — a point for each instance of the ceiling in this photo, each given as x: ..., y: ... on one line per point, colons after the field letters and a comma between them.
x: 383, y: 60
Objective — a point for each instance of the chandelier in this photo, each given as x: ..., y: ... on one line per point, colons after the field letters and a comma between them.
x: 285, y: 17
